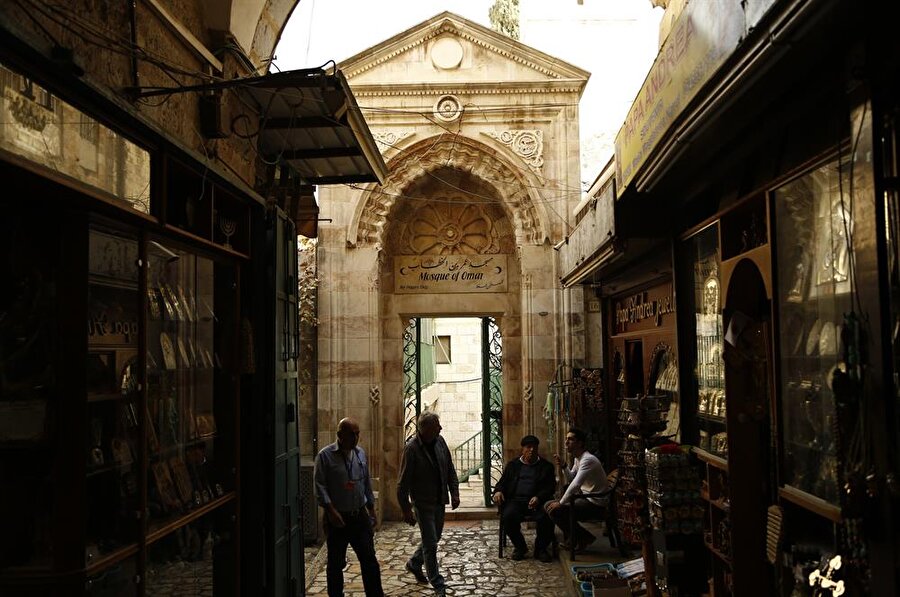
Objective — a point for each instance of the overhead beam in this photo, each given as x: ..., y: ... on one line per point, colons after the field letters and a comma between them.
x: 320, y: 153
x: 341, y: 179
x: 185, y: 34
x: 301, y: 122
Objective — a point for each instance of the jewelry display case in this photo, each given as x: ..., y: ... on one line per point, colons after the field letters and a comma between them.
x: 724, y: 310
x: 703, y: 301
x: 813, y: 223
x: 700, y: 269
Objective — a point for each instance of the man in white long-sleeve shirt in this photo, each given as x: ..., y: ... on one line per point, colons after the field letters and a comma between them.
x: 585, y: 476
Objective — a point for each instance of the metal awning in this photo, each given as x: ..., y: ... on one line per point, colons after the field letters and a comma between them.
x: 310, y: 120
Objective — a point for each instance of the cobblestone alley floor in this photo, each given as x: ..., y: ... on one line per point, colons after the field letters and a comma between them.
x: 468, y: 558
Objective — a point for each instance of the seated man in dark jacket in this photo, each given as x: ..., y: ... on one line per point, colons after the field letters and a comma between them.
x: 527, y: 482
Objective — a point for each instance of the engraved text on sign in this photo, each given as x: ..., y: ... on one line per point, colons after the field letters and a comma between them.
x: 415, y: 274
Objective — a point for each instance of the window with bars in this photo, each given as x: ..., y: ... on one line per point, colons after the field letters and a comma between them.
x: 88, y: 129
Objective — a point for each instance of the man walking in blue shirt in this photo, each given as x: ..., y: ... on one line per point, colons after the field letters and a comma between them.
x: 344, y: 489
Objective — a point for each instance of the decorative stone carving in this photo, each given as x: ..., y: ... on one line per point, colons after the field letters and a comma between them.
x: 451, y: 226
x: 528, y: 394
x: 28, y: 113
x: 469, y: 156
x: 374, y: 395
x: 527, y: 144
x: 448, y: 108
x: 389, y: 139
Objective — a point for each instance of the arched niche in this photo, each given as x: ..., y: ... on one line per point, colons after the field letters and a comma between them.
x: 514, y: 188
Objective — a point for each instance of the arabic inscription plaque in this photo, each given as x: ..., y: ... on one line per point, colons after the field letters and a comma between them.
x: 440, y: 274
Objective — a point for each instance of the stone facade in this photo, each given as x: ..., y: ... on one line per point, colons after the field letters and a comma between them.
x: 481, y: 137
x: 182, y: 43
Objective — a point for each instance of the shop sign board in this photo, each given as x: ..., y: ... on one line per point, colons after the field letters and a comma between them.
x: 439, y: 274
x: 706, y: 33
x: 648, y: 309
x: 593, y: 233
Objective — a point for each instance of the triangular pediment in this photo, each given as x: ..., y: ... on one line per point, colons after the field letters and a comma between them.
x: 448, y: 49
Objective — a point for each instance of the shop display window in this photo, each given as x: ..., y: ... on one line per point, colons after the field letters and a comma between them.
x: 112, y: 449
x: 702, y: 252
x: 814, y: 228
x: 890, y: 150
x: 194, y: 559
x: 190, y: 402
x: 29, y: 341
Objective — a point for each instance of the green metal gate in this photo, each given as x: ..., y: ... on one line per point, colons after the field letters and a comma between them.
x: 412, y: 375
x: 287, y: 567
x: 491, y: 403
x: 491, y: 435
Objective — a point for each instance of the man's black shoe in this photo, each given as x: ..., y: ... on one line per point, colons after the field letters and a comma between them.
x: 417, y: 572
x: 543, y: 556
x: 518, y: 554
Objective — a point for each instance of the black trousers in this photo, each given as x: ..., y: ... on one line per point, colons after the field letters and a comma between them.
x: 514, y: 512
x: 359, y: 534
x: 584, y: 510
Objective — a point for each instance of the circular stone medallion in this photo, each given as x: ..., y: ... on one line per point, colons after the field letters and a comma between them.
x: 447, y: 108
x: 446, y: 53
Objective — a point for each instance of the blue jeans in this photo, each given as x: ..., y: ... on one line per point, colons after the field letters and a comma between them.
x: 431, y: 525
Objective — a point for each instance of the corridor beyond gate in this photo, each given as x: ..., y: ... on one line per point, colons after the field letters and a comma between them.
x: 468, y: 560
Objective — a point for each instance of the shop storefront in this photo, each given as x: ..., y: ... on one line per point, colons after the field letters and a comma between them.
x: 122, y: 354
x: 773, y: 181
x: 149, y: 437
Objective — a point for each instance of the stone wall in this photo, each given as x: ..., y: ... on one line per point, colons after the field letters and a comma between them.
x: 98, y: 35
x: 457, y: 393
x: 480, y: 134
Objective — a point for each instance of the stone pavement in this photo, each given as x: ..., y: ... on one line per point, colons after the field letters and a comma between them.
x: 468, y: 559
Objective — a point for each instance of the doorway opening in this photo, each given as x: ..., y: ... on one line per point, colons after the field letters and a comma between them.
x: 453, y: 366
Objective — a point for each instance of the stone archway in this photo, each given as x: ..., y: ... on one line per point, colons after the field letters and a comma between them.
x: 492, y: 210
x: 514, y: 188
x: 471, y: 205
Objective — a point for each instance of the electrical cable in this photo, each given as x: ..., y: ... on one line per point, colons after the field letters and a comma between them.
x: 553, y: 183
x: 123, y: 46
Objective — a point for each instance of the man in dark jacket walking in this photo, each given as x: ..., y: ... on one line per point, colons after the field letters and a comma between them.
x: 427, y: 477
x: 527, y: 482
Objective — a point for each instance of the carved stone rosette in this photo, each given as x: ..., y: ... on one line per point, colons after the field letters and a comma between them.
x: 527, y: 144
x: 451, y: 228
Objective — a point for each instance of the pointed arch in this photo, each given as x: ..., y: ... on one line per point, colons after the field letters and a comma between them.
x: 515, y: 187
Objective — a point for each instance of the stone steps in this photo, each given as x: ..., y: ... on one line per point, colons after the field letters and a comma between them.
x: 470, y: 513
